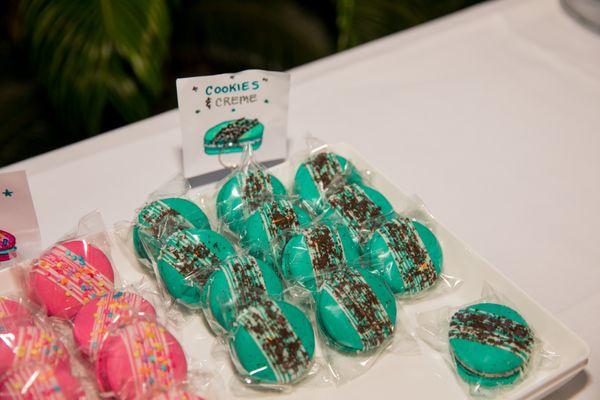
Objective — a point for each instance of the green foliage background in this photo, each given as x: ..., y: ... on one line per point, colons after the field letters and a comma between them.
x: 70, y: 69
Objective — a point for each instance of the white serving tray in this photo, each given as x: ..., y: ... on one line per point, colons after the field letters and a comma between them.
x: 422, y: 376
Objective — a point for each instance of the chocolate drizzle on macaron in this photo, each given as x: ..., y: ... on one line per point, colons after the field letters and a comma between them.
x: 412, y: 259
x: 275, y: 336
x: 246, y: 281
x: 493, y: 330
x: 324, y: 168
x: 355, y: 207
x: 325, y: 250
x: 361, y: 306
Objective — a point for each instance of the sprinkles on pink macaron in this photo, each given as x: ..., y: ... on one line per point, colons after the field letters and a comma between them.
x: 40, y: 382
x: 31, y: 344
x: 69, y: 275
x: 138, y: 358
x: 97, y: 318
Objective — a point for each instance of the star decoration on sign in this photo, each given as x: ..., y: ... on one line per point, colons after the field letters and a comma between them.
x: 7, y: 193
x: 195, y: 88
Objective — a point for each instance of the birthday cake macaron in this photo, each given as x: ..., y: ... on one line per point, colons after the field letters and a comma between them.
x: 13, y: 314
x: 266, y: 230
x: 174, y: 393
x: 316, y: 252
x: 356, y: 311
x: 361, y: 208
x: 240, y: 282
x: 97, y: 318
x: 160, y: 218
x: 406, y: 254
x: 30, y: 344
x: 69, y: 275
x: 187, y: 259
x: 491, y: 344
x: 272, y: 343
x: 138, y: 358
x: 319, y: 173
x: 243, y: 193
x: 40, y: 382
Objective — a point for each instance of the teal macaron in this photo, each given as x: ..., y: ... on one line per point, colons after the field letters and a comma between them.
x: 272, y: 343
x: 356, y: 311
x: 361, y: 208
x: 406, y: 254
x: 231, y: 136
x: 266, y: 231
x: 186, y: 261
x: 243, y: 192
x: 316, y: 252
x: 158, y: 219
x: 318, y: 173
x: 240, y: 282
x: 491, y: 344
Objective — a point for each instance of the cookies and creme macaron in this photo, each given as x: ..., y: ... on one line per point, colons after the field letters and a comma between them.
x: 272, y: 343
x: 406, y: 254
x: 356, y: 311
x: 361, y: 208
x: 319, y: 173
x: 316, y: 252
x: 243, y: 192
x: 69, y: 275
x: 240, y: 282
x: 187, y: 259
x: 265, y: 232
x: 156, y: 220
x: 491, y: 344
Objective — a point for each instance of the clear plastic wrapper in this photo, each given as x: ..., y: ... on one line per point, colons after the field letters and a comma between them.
x: 73, y: 271
x: 318, y: 171
x: 245, y: 189
x: 169, y: 209
x: 267, y: 229
x: 406, y: 253
x: 488, y: 343
x: 36, y: 358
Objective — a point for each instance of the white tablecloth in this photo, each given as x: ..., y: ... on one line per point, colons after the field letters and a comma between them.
x: 491, y: 115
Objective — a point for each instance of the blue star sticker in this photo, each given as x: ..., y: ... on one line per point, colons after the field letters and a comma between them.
x: 7, y: 193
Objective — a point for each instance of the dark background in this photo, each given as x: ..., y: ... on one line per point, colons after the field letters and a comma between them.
x: 70, y: 69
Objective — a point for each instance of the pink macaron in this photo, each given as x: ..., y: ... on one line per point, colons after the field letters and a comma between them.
x: 29, y: 344
x: 138, y: 358
x: 69, y: 275
x: 97, y: 318
x: 12, y: 315
x: 40, y: 382
x: 174, y: 393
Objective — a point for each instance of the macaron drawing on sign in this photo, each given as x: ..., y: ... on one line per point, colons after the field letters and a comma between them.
x: 231, y: 136
x: 8, y: 245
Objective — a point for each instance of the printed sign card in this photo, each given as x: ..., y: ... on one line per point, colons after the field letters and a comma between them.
x: 220, y: 114
x: 19, y: 229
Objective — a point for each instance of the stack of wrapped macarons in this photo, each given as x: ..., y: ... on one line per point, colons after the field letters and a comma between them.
x: 241, y: 295
x: 331, y: 234
x: 34, y: 361
x: 129, y: 352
